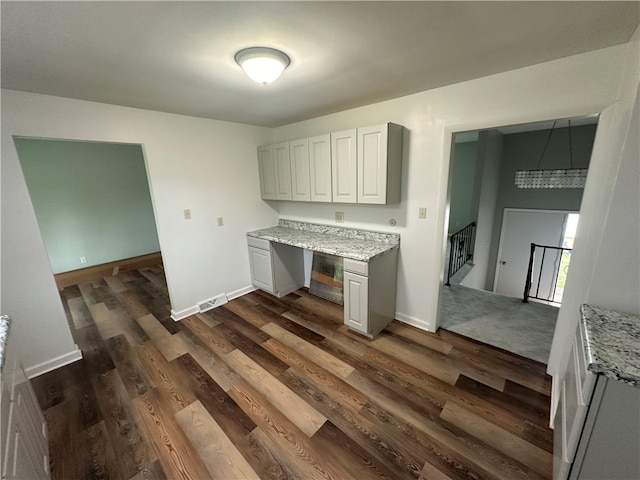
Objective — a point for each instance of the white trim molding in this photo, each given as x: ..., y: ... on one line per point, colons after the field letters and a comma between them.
x: 240, y: 292
x: 54, y: 363
x: 187, y: 312
x: 415, y: 322
x: 210, y: 303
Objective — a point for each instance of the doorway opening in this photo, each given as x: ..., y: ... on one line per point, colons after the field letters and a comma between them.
x: 93, y: 206
x: 533, y: 253
x: 483, y: 302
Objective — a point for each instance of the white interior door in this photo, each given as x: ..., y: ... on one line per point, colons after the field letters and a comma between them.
x: 521, y: 228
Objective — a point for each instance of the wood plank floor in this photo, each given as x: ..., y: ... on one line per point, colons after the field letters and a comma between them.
x: 278, y: 388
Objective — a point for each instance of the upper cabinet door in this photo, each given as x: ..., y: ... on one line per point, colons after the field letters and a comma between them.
x: 283, y: 171
x: 267, y: 169
x: 320, y: 168
x: 344, y: 166
x: 379, y: 163
x: 299, y: 153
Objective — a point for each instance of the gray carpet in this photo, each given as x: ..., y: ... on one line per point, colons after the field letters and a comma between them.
x: 505, y: 322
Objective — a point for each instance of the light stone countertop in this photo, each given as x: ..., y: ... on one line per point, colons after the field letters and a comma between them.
x: 363, y: 245
x: 5, y: 323
x: 612, y: 341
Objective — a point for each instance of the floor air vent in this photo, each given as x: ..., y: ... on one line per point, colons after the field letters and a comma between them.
x: 212, y: 303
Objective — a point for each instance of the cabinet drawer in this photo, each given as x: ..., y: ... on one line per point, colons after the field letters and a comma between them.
x: 260, y: 243
x: 356, y: 266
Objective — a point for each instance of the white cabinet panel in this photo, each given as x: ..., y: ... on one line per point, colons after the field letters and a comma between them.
x: 370, y: 293
x: 372, y: 164
x: 299, y: 156
x: 353, y: 166
x: 379, y: 154
x: 596, y: 423
x: 320, y: 168
x: 19, y: 465
x: 610, y: 440
x: 283, y: 171
x: 261, y: 269
x: 274, y: 167
x: 267, y: 169
x: 23, y: 438
x: 344, y: 166
x: 275, y: 268
x: 356, y: 302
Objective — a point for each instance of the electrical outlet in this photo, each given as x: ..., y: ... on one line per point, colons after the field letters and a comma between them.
x: 220, y: 221
x: 340, y: 217
x: 422, y: 212
x: 83, y: 260
x: 187, y: 214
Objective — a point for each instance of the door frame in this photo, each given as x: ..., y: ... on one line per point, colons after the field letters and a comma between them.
x: 502, y: 225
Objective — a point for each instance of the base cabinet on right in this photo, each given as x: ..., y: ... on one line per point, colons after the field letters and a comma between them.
x: 609, y: 447
x: 597, y: 424
x: 370, y: 293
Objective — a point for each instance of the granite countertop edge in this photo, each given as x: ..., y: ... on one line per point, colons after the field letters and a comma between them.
x: 5, y: 323
x: 612, y: 343
x: 362, y: 245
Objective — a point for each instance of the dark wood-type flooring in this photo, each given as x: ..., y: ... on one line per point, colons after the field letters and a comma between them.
x: 278, y: 388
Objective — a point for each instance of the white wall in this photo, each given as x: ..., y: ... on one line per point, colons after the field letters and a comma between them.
x: 616, y: 280
x: 207, y: 166
x: 539, y: 92
x: 594, y: 276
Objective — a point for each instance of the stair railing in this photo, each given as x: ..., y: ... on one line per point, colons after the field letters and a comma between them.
x: 460, y: 251
x: 529, y: 283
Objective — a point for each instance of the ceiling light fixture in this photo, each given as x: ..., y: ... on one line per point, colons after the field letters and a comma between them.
x: 262, y: 64
x: 553, y: 178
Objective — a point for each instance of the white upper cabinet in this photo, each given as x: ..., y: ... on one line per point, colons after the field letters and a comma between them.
x: 320, y: 168
x: 283, y: 171
x: 379, y: 154
x: 361, y: 165
x: 267, y: 168
x: 300, y: 186
x: 344, y: 166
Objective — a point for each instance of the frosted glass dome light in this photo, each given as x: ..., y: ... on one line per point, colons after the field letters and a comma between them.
x: 262, y: 64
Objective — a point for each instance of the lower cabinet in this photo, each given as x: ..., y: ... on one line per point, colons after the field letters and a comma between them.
x: 356, y: 302
x: 24, y: 444
x: 275, y: 268
x: 370, y: 293
x: 369, y: 287
x: 597, y: 424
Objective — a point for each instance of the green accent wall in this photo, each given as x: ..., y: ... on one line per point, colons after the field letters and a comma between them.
x: 91, y: 200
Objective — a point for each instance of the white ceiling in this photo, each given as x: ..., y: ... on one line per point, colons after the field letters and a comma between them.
x: 178, y: 56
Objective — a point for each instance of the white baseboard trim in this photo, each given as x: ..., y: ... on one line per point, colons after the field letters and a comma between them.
x: 416, y: 322
x: 241, y: 292
x: 187, y: 312
x: 210, y: 303
x: 54, y: 363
